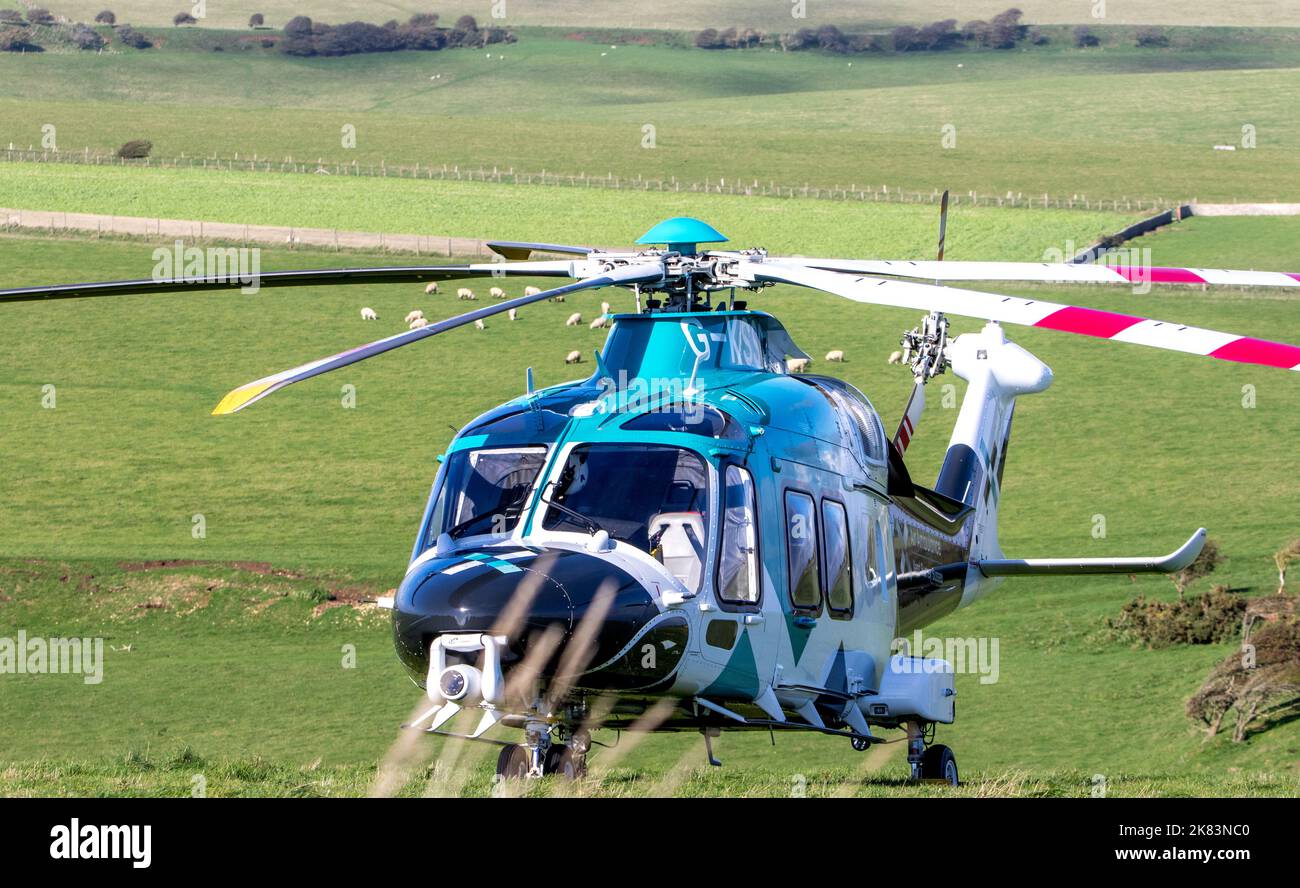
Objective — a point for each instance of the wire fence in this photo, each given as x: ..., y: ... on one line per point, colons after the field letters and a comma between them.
x: 743, y: 187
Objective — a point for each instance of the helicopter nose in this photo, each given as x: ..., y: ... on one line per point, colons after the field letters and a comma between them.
x: 531, y: 590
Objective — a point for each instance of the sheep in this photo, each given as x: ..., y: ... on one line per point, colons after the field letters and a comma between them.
x: 574, y: 319
x: 478, y: 325
x: 418, y: 323
x: 512, y: 314
x: 465, y: 293
x: 604, y: 308
x: 600, y: 323
x: 574, y: 357
x: 896, y: 357
x: 431, y: 289
x: 835, y: 357
x: 412, y: 315
x: 797, y: 365
x: 532, y: 291
x: 497, y: 293
x: 368, y: 314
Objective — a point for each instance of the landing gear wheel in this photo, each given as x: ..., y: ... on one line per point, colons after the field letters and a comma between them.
x: 861, y: 744
x: 564, y: 762
x: 512, y: 763
x: 939, y: 763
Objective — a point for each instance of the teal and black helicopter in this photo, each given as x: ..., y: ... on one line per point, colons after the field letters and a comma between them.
x: 695, y: 531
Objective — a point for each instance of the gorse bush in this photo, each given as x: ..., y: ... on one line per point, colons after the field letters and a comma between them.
x: 1212, y: 618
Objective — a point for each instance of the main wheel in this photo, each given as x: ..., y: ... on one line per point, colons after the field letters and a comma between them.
x: 512, y: 763
x: 564, y: 762
x: 939, y: 763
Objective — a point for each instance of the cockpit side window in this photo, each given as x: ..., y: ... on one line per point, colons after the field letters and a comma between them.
x: 484, y: 491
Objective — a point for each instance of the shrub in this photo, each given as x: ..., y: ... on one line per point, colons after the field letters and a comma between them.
x: 256, y: 20
x: 85, y: 37
x: 106, y: 18
x: 38, y: 16
x: 1151, y: 37
x: 298, y: 26
x: 184, y: 18
x: 466, y: 23
x: 938, y: 35
x: 708, y: 39
x: 11, y: 17
x: 1283, y: 558
x: 17, y: 40
x: 129, y: 36
x: 1260, y: 683
x: 1084, y: 37
x: 351, y: 38
x: 135, y: 149
x: 424, y: 20
x: 1211, y: 618
x: 1006, y: 29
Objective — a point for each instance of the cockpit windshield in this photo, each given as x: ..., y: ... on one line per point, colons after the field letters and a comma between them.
x: 653, y: 497
x: 484, y: 491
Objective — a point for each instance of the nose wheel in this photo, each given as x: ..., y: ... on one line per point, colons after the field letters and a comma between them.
x: 540, y: 757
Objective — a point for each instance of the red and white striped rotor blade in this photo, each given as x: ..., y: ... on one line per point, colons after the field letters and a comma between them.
x: 911, y: 418
x: 1049, y: 272
x: 1030, y: 313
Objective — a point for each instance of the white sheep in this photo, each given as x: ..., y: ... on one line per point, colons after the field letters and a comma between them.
x: 418, y: 323
x: 896, y: 357
x: 575, y: 357
x: 835, y: 357
x: 368, y: 314
x: 465, y: 293
x: 574, y: 319
x: 532, y: 291
x: 412, y: 315
x: 600, y: 323
x: 797, y: 365
x: 431, y: 289
x: 497, y: 293
x: 559, y: 298
x: 512, y: 314
x: 604, y: 308
x: 478, y: 325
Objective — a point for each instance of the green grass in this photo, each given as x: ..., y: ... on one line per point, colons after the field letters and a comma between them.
x: 1157, y: 442
x: 523, y: 212
x: 1055, y: 120
x: 717, y: 13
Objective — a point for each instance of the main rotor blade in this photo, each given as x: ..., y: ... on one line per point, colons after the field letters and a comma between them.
x: 523, y: 249
x: 1049, y: 272
x: 312, y: 277
x: 1031, y: 313
x: 254, y: 391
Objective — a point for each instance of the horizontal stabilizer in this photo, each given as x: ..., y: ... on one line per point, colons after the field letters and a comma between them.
x: 1027, y: 567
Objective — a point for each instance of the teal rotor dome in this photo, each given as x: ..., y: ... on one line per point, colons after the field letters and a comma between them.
x: 682, y: 234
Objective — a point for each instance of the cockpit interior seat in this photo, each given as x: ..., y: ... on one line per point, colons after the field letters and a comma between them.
x: 681, y: 544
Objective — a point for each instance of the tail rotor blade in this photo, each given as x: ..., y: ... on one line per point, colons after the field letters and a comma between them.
x: 911, y: 418
x: 254, y: 391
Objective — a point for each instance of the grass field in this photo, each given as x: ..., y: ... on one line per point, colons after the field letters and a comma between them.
x: 1110, y: 123
x: 578, y: 215
x: 717, y: 13
x: 234, y: 678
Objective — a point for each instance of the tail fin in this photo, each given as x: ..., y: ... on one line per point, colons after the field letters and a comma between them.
x: 996, y: 372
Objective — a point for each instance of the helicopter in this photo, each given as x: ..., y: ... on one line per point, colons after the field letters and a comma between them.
x: 696, y: 532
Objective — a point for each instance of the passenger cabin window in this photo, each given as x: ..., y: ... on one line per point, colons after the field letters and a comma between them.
x: 801, y: 535
x: 484, y: 491
x: 839, y: 559
x: 738, y: 564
